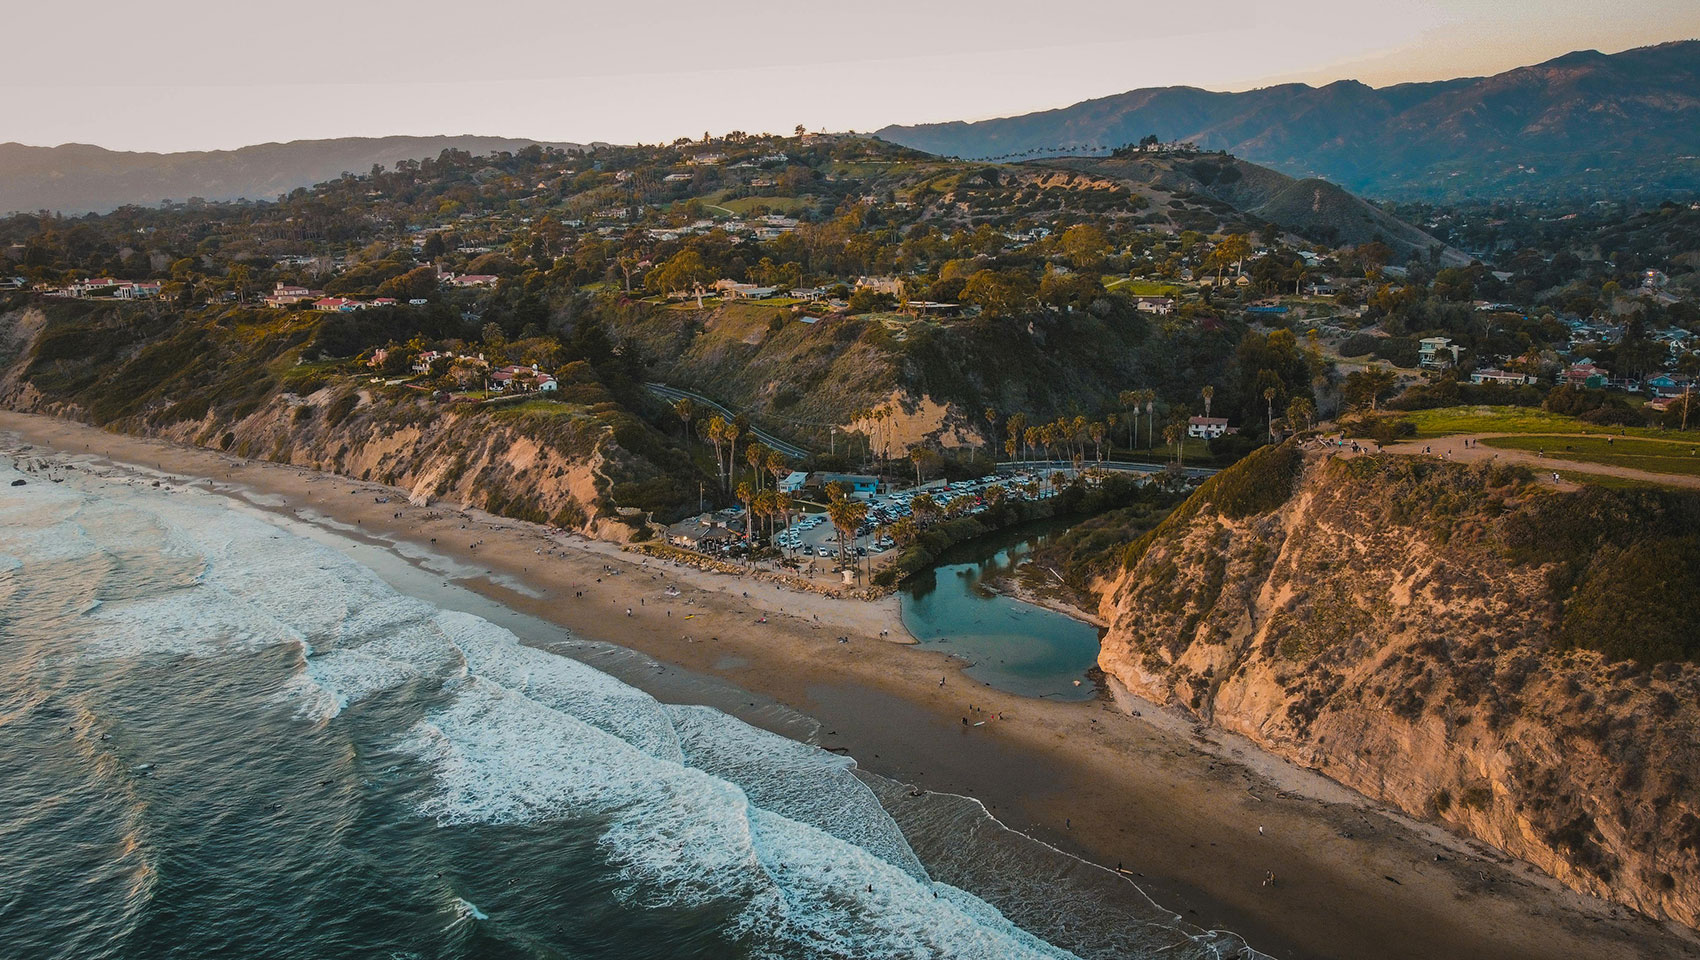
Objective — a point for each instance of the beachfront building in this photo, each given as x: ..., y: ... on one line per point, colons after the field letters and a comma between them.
x: 854, y: 484
x: 698, y: 533
x: 793, y: 482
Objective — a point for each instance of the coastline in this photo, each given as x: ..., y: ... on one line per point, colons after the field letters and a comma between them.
x: 1198, y: 820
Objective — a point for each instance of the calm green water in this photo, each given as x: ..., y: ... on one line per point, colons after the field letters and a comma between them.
x: 1011, y: 645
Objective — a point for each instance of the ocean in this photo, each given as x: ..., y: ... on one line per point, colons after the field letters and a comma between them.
x: 224, y: 735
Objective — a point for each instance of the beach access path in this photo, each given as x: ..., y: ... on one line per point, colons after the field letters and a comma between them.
x: 1196, y: 817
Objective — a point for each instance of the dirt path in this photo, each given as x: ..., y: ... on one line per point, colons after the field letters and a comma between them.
x: 1464, y: 447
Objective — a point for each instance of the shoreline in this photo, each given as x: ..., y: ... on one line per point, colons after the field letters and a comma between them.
x: 1194, y: 819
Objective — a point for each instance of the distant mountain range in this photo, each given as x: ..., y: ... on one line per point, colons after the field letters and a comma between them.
x: 76, y: 178
x: 1584, y: 124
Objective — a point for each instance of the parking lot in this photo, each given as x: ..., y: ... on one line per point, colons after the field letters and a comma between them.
x: 813, y: 535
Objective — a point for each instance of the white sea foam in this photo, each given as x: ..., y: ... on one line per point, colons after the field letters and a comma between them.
x: 682, y: 837
x: 693, y: 807
x: 796, y: 780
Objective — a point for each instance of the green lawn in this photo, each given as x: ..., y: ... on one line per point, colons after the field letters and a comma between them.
x: 786, y: 205
x: 1447, y: 421
x: 1651, y: 455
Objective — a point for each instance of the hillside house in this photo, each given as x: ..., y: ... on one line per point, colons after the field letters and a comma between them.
x: 336, y: 305
x: 474, y: 280
x: 1587, y: 375
x: 1207, y: 428
x: 1503, y: 377
x: 515, y: 378
x: 1665, y: 385
x: 284, y: 295
x: 890, y: 285
x: 1160, y: 306
x: 145, y: 290
x: 1437, y: 351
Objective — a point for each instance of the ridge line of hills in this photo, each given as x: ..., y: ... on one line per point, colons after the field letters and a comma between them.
x: 1583, y: 124
x: 77, y: 178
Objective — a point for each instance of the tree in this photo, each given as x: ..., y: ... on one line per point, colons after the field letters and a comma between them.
x: 1233, y: 249
x: 755, y: 454
x: 1084, y: 244
x: 682, y: 272
x: 1367, y: 386
x: 1207, y: 393
x: 846, y: 516
x: 1130, y: 400
x: 997, y: 293
x: 1269, y: 398
x: 917, y: 454
x: 1300, y: 410
x: 684, y: 409
x: 747, y: 495
x: 714, y: 431
x: 924, y: 508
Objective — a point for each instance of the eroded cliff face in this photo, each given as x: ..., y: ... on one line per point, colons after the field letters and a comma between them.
x: 1408, y: 628
x: 551, y: 466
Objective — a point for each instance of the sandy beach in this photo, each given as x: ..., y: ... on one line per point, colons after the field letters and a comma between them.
x: 1197, y: 819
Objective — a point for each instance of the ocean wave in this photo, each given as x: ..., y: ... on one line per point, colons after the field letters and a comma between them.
x: 684, y: 838
x: 692, y: 807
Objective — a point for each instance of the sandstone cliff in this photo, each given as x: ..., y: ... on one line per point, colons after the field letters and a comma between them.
x: 575, y: 464
x: 1461, y: 643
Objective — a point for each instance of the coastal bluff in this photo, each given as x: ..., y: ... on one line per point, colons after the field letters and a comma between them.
x: 1511, y: 662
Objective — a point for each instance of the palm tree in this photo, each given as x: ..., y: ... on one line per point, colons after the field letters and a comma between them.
x: 1269, y: 398
x: 1173, y: 434
x: 763, y: 507
x: 685, y: 410
x: 756, y: 456
x: 747, y: 496
x: 992, y: 430
x: 1130, y: 400
x: 846, y: 515
x: 1150, y: 416
x: 1208, y: 393
x: 917, y: 454
x: 782, y: 507
x: 777, y: 466
x: 924, y: 508
x: 1016, y: 427
x: 715, y: 432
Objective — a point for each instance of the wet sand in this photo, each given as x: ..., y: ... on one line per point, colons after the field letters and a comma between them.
x: 1196, y: 819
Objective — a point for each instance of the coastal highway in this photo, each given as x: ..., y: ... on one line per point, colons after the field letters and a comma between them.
x: 673, y: 394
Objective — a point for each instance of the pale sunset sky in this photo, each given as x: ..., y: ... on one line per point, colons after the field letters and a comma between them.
x: 214, y: 74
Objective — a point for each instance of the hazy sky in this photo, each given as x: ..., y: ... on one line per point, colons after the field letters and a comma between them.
x: 203, y: 74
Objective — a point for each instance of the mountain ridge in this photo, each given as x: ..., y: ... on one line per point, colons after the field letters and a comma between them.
x: 1585, y: 122
x: 77, y: 178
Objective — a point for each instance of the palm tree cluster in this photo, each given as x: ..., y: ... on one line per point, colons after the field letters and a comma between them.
x: 1065, y: 438
x: 847, y: 516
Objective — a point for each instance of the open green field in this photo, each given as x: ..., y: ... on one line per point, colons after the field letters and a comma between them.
x: 1141, y: 288
x: 743, y: 205
x: 1449, y: 421
x: 1653, y: 456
